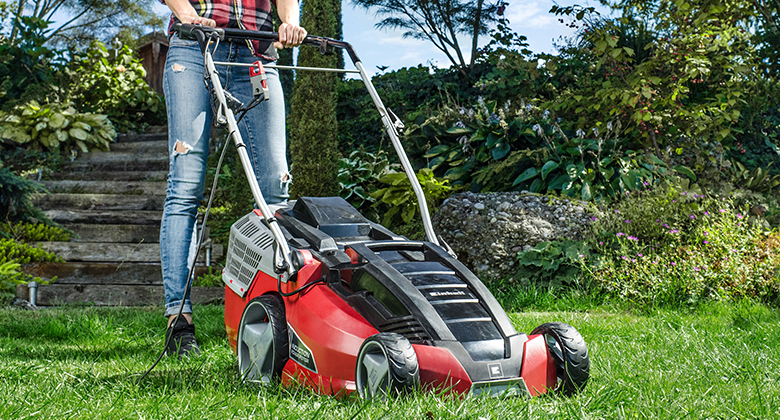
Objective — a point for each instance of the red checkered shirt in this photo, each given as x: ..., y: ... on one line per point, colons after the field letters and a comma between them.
x: 243, y: 14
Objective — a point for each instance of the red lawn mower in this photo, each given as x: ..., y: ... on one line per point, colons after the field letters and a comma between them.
x: 316, y: 294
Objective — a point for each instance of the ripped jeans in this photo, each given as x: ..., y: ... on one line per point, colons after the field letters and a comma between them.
x: 189, y: 126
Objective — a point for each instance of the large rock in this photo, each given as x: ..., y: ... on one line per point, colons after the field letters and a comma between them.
x: 487, y: 231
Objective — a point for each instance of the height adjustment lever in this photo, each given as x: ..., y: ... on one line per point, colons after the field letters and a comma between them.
x: 259, y: 81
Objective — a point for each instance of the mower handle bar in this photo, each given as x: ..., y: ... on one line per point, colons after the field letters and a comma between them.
x: 389, y: 120
x: 198, y: 33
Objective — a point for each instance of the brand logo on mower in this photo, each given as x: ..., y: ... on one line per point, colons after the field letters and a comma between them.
x: 495, y: 370
x: 448, y: 293
x: 300, y: 352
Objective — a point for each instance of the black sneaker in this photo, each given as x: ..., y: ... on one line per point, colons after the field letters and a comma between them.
x: 181, y: 339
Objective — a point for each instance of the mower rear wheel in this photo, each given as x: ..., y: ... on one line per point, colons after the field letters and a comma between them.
x: 386, y: 364
x: 263, y: 344
x: 570, y: 353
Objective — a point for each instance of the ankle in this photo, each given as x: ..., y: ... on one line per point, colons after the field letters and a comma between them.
x: 187, y: 317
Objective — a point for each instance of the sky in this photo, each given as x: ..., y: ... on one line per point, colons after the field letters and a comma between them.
x: 389, y: 48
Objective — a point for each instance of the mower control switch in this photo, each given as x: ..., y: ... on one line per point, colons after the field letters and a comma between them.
x: 259, y: 81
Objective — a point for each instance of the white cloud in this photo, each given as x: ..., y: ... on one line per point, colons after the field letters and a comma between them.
x: 531, y: 14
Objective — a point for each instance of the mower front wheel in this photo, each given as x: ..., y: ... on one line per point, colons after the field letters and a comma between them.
x: 263, y: 344
x: 386, y: 364
x: 570, y: 354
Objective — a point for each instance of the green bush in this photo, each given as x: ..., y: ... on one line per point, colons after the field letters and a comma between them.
x: 674, y: 247
x: 16, y: 197
x: 552, y: 265
x: 400, y: 199
x: 14, y: 254
x: 112, y: 83
x: 57, y: 127
x: 33, y: 232
x: 359, y: 176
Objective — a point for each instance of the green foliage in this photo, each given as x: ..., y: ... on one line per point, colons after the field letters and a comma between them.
x: 401, y: 200
x: 28, y: 69
x: 16, y: 196
x: 14, y: 254
x: 552, y: 265
x: 359, y: 176
x: 313, y: 127
x: 494, y: 149
x: 112, y: 82
x: 690, y: 86
x: 212, y: 278
x: 758, y: 180
x: 56, y: 127
x: 672, y: 247
x: 33, y: 232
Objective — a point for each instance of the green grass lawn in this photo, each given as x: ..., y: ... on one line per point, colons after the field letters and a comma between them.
x: 721, y: 361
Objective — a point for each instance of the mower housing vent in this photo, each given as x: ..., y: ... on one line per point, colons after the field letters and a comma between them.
x: 249, y: 246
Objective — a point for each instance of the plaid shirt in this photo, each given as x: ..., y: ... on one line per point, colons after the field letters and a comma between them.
x: 252, y: 15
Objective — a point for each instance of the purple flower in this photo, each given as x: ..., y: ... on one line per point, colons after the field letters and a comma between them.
x: 628, y: 221
x: 619, y: 234
x: 722, y: 210
x: 639, y: 255
x: 685, y: 193
x: 696, y: 269
x: 617, y: 211
x: 691, y: 217
x: 665, y: 225
x: 706, y: 213
x: 601, y: 243
x: 633, y: 259
x: 706, y: 233
x: 657, y: 220
x: 624, y: 257
x: 739, y: 215
x: 633, y: 238
x: 705, y: 242
x: 674, y: 263
x: 594, y: 218
x: 674, y: 201
x: 674, y: 231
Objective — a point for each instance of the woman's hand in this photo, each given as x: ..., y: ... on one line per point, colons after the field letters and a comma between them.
x: 199, y: 20
x: 290, y: 36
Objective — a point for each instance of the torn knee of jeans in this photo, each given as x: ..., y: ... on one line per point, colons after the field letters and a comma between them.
x: 181, y: 148
x: 177, y: 68
x: 286, y: 179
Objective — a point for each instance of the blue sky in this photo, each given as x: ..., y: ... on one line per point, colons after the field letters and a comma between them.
x: 389, y: 48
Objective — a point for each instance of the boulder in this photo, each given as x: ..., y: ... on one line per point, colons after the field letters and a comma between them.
x: 487, y: 231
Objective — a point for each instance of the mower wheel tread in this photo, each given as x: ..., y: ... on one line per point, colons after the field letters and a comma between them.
x: 574, y: 369
x: 404, y: 368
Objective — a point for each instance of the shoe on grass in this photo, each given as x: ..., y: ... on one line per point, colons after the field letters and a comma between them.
x: 181, y: 339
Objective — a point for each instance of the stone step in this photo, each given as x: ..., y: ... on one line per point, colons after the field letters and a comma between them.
x: 112, y: 252
x: 119, y: 161
x: 106, y: 187
x: 138, y: 274
x: 116, y: 295
x: 147, y: 137
x: 159, y: 147
x: 108, y: 217
x: 123, y: 202
x: 135, y: 176
x: 114, y: 233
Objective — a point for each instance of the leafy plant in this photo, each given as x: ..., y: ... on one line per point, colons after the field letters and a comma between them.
x: 552, y: 265
x: 112, y: 83
x: 33, y: 232
x: 55, y: 127
x: 14, y: 254
x: 759, y: 179
x: 359, y: 175
x: 400, y: 198
x: 16, y: 196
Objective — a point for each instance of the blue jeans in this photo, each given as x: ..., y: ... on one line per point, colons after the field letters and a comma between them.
x: 189, y: 126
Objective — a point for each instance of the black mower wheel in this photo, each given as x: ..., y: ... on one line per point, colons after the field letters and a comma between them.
x: 386, y: 364
x: 570, y: 353
x: 263, y: 344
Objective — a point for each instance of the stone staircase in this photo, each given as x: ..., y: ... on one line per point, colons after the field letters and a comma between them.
x: 112, y: 202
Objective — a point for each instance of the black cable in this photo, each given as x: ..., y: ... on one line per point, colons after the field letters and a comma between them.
x: 192, y: 267
x: 300, y: 289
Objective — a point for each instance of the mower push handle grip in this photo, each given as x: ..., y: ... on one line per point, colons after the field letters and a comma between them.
x: 186, y: 31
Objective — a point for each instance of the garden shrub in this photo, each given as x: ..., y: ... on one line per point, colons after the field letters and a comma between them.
x: 56, y: 127
x: 400, y: 199
x: 16, y: 195
x: 33, y: 232
x: 359, y: 176
x: 673, y: 247
x: 14, y: 254
x: 552, y: 265
x: 112, y: 83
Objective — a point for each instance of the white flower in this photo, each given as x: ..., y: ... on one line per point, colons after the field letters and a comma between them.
x: 580, y: 133
x: 609, y: 126
x: 462, y: 110
x: 529, y: 107
x: 546, y: 114
x: 595, y: 131
x: 538, y: 129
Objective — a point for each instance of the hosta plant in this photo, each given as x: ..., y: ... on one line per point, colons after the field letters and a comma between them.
x: 55, y: 127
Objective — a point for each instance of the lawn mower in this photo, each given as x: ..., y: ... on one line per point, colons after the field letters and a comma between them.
x: 316, y: 294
